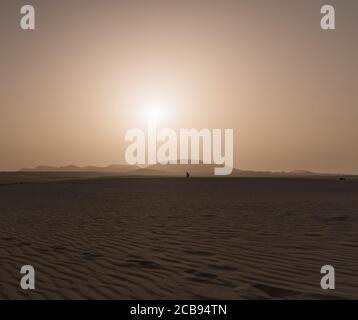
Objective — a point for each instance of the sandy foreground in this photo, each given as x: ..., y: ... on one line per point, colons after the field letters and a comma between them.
x: 173, y: 238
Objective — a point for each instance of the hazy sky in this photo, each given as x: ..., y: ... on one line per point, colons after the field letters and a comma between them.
x: 70, y: 89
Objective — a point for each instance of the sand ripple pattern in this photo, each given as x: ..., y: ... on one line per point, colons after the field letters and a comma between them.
x: 135, y: 238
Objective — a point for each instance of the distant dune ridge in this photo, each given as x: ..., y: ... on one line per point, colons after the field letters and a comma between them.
x: 201, y: 170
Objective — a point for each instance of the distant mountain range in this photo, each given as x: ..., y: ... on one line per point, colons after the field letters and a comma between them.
x: 114, y: 168
x: 199, y: 170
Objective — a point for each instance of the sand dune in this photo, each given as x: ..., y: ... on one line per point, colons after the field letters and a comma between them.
x: 126, y: 238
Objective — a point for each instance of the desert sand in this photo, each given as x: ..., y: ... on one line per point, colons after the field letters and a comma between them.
x: 177, y: 238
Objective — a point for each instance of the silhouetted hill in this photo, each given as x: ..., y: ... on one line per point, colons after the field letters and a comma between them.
x: 195, y: 170
x: 115, y: 168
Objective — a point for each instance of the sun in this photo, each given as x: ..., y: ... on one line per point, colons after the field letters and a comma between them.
x: 156, y: 110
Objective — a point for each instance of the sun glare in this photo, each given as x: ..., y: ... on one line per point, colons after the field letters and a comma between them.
x: 156, y: 110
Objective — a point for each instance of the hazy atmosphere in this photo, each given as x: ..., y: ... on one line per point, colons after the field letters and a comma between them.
x: 70, y: 89
x: 99, y: 96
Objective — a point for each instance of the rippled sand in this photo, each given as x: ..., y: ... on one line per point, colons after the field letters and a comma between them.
x: 171, y: 238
